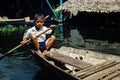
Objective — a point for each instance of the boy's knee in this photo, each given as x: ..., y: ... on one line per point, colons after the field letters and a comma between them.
x: 53, y: 37
x: 33, y: 36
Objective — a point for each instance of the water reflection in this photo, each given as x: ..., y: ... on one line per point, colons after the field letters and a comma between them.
x: 89, y: 37
x: 75, y: 38
x: 68, y: 36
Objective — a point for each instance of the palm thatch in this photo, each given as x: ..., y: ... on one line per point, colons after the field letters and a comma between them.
x: 105, y: 6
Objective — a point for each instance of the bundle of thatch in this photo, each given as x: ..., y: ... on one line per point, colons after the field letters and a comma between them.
x: 105, y: 6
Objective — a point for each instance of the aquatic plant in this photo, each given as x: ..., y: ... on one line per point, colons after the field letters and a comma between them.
x: 11, y: 29
x: 7, y: 30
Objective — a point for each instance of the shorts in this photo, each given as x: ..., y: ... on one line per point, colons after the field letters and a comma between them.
x: 42, y: 46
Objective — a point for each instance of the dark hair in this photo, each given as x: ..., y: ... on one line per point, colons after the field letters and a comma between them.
x: 41, y: 16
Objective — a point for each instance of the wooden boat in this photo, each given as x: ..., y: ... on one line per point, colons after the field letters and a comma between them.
x: 80, y: 64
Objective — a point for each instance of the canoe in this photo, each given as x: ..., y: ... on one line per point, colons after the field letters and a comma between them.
x: 79, y: 64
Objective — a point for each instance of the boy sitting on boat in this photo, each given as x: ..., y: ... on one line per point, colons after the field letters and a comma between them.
x: 40, y: 43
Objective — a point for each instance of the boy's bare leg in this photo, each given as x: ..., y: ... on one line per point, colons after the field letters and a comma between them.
x: 34, y: 40
x: 49, y: 42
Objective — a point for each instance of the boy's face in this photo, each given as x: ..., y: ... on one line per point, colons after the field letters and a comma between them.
x: 39, y: 22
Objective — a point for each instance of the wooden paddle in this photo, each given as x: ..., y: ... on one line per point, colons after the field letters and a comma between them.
x: 13, y: 49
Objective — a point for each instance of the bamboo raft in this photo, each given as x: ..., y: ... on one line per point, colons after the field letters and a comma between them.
x: 78, y: 64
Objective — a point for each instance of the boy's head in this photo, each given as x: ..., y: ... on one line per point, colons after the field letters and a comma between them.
x: 39, y: 20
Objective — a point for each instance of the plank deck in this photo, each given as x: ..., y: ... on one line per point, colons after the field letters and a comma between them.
x: 105, y: 71
x: 68, y: 60
x: 93, y: 69
x: 105, y: 74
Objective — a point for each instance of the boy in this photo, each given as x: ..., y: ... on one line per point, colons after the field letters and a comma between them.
x: 40, y: 44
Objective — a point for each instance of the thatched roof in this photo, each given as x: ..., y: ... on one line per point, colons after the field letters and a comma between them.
x: 105, y: 6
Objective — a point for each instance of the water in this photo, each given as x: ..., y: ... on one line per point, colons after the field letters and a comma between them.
x: 18, y: 67
x: 21, y: 65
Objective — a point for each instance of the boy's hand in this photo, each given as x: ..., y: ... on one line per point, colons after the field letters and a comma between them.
x: 52, y: 26
x: 23, y: 42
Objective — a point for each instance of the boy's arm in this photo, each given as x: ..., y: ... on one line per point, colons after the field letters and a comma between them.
x: 25, y: 37
x: 24, y: 41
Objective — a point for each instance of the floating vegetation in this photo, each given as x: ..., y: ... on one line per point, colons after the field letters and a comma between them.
x: 10, y: 29
x: 7, y: 30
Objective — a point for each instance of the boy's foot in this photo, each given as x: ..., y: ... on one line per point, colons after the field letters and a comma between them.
x: 45, y: 52
x: 39, y: 52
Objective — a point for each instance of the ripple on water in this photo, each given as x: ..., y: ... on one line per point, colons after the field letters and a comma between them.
x: 17, y: 68
x: 2, y: 74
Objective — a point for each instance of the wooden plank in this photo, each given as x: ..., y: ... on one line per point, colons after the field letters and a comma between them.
x: 91, y: 70
x: 68, y: 60
x: 103, y: 73
x: 116, y: 78
x: 112, y: 76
